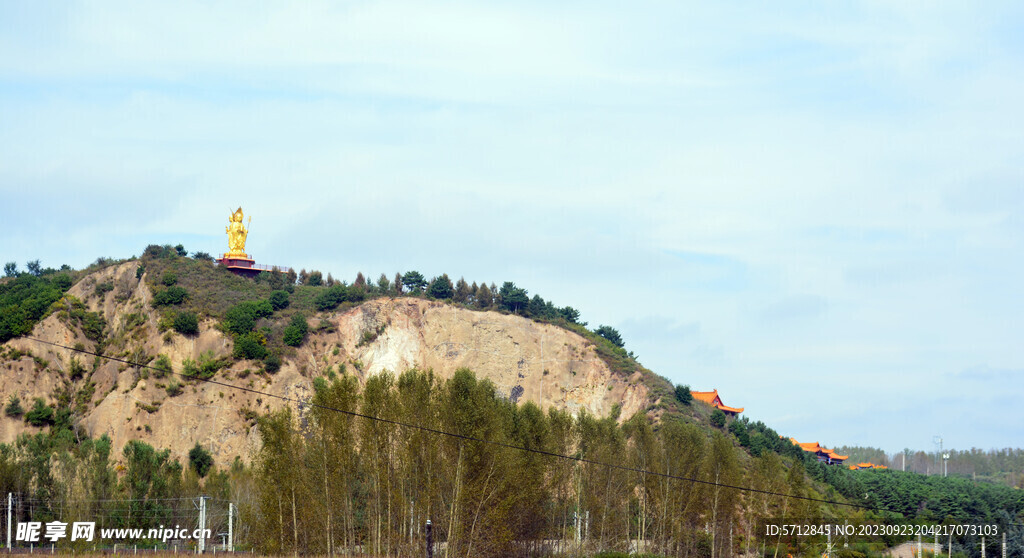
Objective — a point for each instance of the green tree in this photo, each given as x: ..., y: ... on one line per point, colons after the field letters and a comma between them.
x: 332, y: 297
x: 34, y: 268
x: 180, y: 249
x: 513, y: 299
x: 163, y: 366
x: 250, y: 345
x: 484, y: 297
x: 441, y: 287
x: 169, y: 278
x: 14, y: 408
x: 40, y: 414
x: 272, y: 363
x: 611, y: 334
x: 202, y: 256
x: 462, y: 292
x: 683, y: 394
x: 295, y: 332
x: 315, y: 279
x: 200, y: 460
x: 569, y: 314
x: 10, y: 269
x: 172, y: 295
x: 383, y: 283
x: 149, y: 477
x: 241, y: 318
x: 279, y: 300
x: 414, y: 281
x: 186, y: 323
x: 717, y: 418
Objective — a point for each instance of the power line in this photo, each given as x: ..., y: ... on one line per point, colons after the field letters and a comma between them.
x: 469, y: 438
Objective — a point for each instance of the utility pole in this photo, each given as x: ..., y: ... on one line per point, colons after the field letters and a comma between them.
x: 10, y: 501
x: 202, y: 525
x: 937, y: 440
x: 945, y: 459
x: 231, y: 537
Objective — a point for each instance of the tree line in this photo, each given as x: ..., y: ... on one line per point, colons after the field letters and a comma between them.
x: 327, y: 481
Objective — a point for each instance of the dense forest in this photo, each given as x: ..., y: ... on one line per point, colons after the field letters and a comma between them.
x: 361, y: 467
x: 997, y: 465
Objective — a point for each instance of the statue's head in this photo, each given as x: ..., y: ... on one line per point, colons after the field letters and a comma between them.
x: 237, y: 215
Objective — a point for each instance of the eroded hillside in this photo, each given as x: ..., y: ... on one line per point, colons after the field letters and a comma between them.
x: 526, y: 360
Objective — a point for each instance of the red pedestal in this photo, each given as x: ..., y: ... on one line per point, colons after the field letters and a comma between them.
x: 240, y: 266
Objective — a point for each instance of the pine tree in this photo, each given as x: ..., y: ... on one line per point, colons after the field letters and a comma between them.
x: 462, y: 292
x: 383, y: 284
x: 484, y: 298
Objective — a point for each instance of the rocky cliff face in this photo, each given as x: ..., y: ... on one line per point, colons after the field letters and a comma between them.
x: 527, y: 361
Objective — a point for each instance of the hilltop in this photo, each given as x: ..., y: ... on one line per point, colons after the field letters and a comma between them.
x: 122, y: 310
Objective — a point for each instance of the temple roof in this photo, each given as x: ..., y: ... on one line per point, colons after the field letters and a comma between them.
x: 712, y: 398
x: 815, y: 447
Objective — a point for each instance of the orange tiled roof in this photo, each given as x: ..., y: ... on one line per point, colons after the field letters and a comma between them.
x: 705, y: 396
x: 712, y: 398
x: 815, y: 447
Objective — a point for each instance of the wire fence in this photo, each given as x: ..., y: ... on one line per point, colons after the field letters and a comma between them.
x: 154, y: 525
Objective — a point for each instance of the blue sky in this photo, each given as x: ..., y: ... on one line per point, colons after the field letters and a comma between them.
x: 815, y: 209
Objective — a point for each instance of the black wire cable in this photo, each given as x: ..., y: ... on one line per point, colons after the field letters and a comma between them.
x: 470, y: 438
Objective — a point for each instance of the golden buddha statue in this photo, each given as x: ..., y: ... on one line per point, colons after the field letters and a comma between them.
x: 236, y: 235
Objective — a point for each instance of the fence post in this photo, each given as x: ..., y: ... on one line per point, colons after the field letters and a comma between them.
x: 430, y: 539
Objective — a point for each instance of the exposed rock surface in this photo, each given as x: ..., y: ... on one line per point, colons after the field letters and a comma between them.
x: 526, y: 360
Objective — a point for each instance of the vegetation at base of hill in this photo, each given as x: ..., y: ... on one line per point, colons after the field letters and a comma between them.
x: 328, y: 479
x: 492, y: 500
x: 65, y: 476
x: 484, y: 499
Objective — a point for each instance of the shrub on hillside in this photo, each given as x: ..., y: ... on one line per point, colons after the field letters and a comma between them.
x: 241, y: 318
x: 170, y: 296
x: 186, y: 323
x: 14, y: 408
x: 296, y: 331
x: 200, y: 460
x: 272, y: 363
x: 717, y: 418
x: 250, y: 345
x: 162, y: 366
x: 41, y: 414
x: 332, y: 297
x: 279, y: 300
